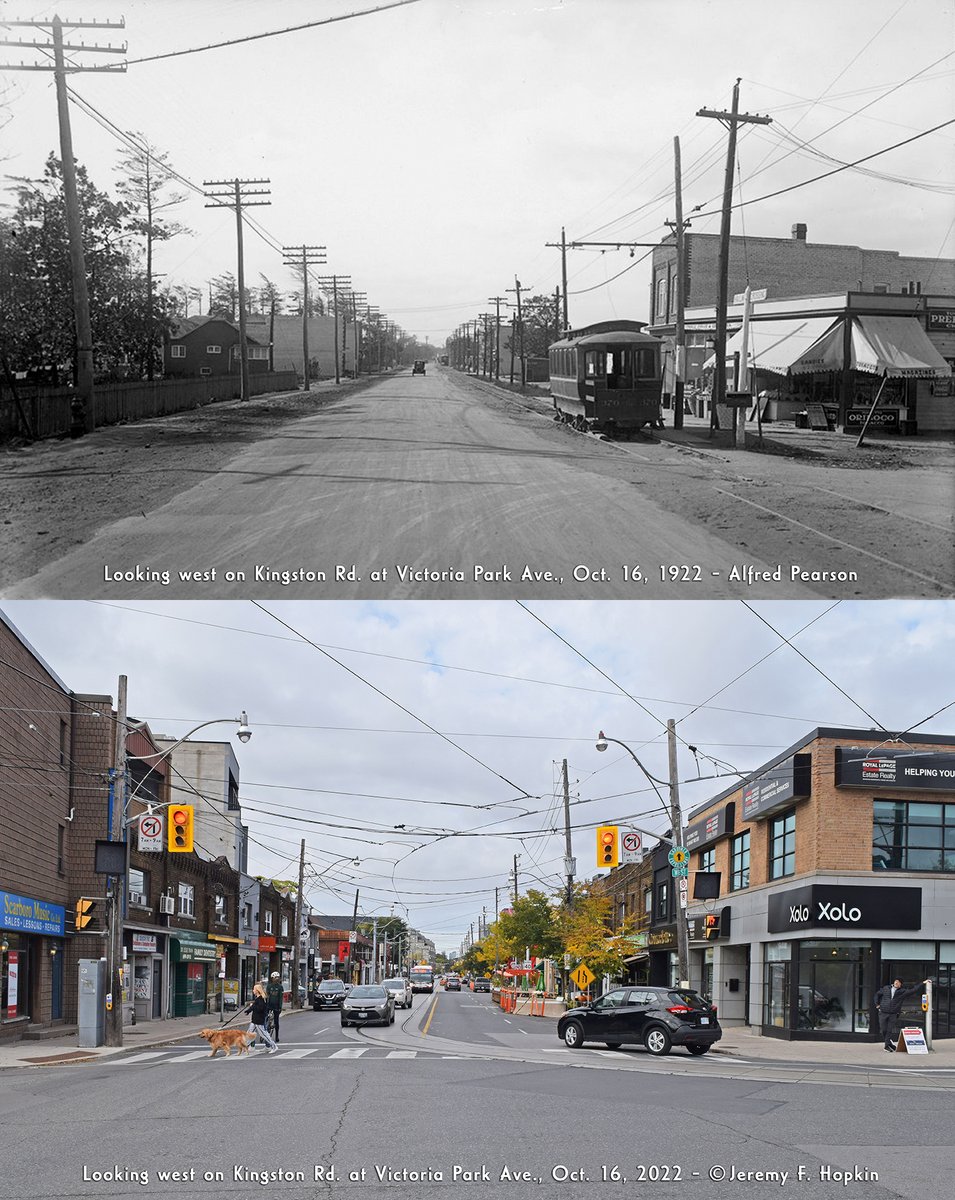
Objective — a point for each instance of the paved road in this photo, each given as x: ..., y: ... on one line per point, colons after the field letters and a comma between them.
x: 430, y: 1125
x: 444, y: 490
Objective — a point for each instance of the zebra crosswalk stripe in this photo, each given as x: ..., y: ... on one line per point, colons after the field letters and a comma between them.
x: 351, y: 1052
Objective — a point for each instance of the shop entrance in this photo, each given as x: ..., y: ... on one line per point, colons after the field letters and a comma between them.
x: 943, y: 1003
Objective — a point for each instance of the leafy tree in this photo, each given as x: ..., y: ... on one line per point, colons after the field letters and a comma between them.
x: 541, y: 325
x: 224, y: 297
x: 531, y: 924
x: 586, y: 932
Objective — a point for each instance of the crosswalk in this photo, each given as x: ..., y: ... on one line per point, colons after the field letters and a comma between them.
x: 174, y: 1056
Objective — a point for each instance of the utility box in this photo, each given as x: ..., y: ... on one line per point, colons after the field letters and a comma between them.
x: 91, y: 1015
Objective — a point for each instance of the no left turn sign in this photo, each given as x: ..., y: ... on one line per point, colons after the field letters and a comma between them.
x: 631, y: 841
x: 151, y: 832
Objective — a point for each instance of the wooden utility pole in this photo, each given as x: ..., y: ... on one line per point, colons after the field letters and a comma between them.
x: 676, y: 825
x: 303, y: 257
x: 679, y: 225
x: 498, y: 300
x: 239, y: 198
x: 82, y: 402
x: 520, y: 333
x: 336, y: 281
x: 515, y: 879
x: 113, y: 1029
x: 562, y: 246
x: 356, y: 299
x: 297, y: 942
x: 731, y: 120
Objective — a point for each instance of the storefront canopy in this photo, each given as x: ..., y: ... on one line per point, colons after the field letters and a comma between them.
x: 893, y: 346
x: 774, y: 345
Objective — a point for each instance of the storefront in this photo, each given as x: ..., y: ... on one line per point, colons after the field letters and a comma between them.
x: 31, y: 961
x: 144, y: 951
x: 192, y: 958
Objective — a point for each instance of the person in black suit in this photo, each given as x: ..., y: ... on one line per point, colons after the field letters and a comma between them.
x: 888, y: 1002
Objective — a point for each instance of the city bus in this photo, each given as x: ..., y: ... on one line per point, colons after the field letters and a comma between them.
x: 422, y: 978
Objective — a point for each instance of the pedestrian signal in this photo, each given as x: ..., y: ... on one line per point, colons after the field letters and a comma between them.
x: 180, y: 829
x: 608, y: 846
x: 85, y: 915
x: 711, y: 927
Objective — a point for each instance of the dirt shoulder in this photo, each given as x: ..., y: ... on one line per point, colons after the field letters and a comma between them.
x: 57, y: 494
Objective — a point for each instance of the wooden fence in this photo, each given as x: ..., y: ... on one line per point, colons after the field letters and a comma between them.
x: 47, y: 410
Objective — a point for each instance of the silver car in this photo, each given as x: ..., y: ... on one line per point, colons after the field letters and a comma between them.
x: 401, y: 990
x: 370, y: 1002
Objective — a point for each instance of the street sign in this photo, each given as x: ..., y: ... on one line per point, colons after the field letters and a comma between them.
x: 630, y: 847
x: 631, y: 840
x: 678, y: 856
x: 583, y: 977
x: 151, y: 828
x: 679, y: 872
x: 912, y: 1041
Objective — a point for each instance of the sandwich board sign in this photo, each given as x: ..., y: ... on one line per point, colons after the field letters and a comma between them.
x: 912, y: 1041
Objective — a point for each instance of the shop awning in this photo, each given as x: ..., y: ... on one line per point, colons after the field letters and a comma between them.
x: 895, y: 346
x: 774, y: 345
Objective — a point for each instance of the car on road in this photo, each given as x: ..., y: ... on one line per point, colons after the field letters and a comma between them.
x: 329, y: 994
x: 400, y: 988
x: 418, y: 368
x: 481, y: 984
x: 368, y: 1003
x: 452, y: 984
x: 656, y: 1018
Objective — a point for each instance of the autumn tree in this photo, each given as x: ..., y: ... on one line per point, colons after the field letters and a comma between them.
x: 530, y: 925
x: 588, y: 936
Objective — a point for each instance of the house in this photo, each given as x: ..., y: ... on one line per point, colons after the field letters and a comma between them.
x: 197, y: 346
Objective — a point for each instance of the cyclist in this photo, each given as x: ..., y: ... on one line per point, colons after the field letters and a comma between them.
x: 273, y: 996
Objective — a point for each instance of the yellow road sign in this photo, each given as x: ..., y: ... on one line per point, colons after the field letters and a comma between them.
x: 583, y: 977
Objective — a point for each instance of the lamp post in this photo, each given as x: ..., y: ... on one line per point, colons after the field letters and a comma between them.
x: 114, y: 1014
x: 676, y: 828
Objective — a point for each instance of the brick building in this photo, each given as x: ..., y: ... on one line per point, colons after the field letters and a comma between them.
x: 836, y: 873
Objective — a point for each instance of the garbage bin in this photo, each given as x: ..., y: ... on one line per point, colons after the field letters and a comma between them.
x: 801, y: 420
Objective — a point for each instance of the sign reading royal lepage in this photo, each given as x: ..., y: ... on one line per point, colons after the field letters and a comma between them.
x: 921, y: 770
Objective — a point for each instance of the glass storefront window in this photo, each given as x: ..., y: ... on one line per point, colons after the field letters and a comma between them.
x: 913, y: 836
x: 776, y: 975
x: 835, y: 986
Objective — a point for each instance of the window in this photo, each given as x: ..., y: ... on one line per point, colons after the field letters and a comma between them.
x: 284, y: 926
x: 782, y: 845
x: 138, y: 887
x: 213, y: 349
x: 268, y: 922
x: 913, y: 836
x: 661, y: 312
x: 258, y: 352
x: 221, y: 918
x: 177, y: 350
x: 648, y: 901
x: 739, y: 862
x: 247, y: 916
x: 662, y: 901
x: 707, y: 859
x: 187, y: 900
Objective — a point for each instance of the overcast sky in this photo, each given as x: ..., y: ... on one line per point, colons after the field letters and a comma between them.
x: 435, y: 148
x: 369, y: 779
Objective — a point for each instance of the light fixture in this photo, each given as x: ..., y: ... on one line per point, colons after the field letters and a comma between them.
x: 244, y: 731
x: 4, y: 946
x: 53, y: 952
x: 601, y: 742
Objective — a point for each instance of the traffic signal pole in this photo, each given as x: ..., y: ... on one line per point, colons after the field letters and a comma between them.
x: 676, y: 825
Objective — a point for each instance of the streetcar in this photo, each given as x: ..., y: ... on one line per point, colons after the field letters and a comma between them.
x: 607, y: 378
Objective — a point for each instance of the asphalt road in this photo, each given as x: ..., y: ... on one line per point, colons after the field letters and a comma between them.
x: 401, y: 1123
x: 439, y: 487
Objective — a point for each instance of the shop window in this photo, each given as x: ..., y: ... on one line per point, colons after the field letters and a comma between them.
x: 662, y: 901
x: 913, y: 836
x: 14, y: 976
x: 707, y: 860
x: 268, y: 922
x: 782, y: 845
x: 221, y: 918
x: 187, y: 900
x: 739, y: 862
x: 138, y: 887
x: 835, y: 986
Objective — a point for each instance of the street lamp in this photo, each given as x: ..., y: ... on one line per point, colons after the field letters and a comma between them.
x: 114, y: 1015
x: 676, y: 833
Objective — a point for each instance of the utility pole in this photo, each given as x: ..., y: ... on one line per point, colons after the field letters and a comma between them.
x: 562, y: 246
x: 485, y: 363
x: 498, y: 300
x: 515, y: 879
x: 570, y: 865
x: 303, y: 257
x: 82, y: 402
x: 356, y: 299
x: 679, y: 225
x: 297, y: 943
x: 113, y: 1031
x: 335, y: 281
x: 731, y: 120
x: 520, y: 331
x: 239, y: 198
x: 676, y: 824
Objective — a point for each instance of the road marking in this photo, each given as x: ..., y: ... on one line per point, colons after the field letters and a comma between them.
x: 299, y: 1053
x: 888, y: 562
x: 427, y: 1025
x: 402, y: 1054
x: 192, y: 1055
x: 352, y: 1052
x: 138, y: 1058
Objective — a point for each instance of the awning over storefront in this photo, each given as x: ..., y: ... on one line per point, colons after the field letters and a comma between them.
x: 774, y: 345
x: 185, y: 946
x: 895, y: 346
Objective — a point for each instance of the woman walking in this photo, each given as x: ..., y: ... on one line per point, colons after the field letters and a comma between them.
x: 259, y: 1010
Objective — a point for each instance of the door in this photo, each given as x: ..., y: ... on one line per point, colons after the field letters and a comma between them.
x: 157, y: 988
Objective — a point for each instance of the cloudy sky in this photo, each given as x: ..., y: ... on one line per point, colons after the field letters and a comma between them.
x: 427, y: 737
x: 436, y: 147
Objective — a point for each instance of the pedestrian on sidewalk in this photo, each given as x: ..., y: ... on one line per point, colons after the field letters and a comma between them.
x: 273, y: 994
x: 889, y: 1001
x: 259, y: 1010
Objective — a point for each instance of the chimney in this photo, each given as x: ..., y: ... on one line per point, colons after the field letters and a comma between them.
x: 799, y: 233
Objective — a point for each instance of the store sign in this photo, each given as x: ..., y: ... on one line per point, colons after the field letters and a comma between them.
x: 28, y: 915
x: 711, y: 828
x: 920, y: 770
x: 882, y: 418
x: 144, y: 943
x: 267, y: 944
x: 662, y: 939
x: 830, y: 906
x: 941, y: 319
x: 789, y: 780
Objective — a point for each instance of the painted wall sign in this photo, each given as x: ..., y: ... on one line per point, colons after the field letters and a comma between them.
x: 920, y: 770
x: 831, y: 906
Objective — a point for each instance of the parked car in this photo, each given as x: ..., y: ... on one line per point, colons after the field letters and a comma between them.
x: 452, y: 984
x: 400, y: 988
x: 367, y: 1003
x: 329, y: 994
x: 418, y: 368
x: 480, y: 984
x: 657, y: 1018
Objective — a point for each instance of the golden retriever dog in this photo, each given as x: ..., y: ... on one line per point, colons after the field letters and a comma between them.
x: 225, y: 1039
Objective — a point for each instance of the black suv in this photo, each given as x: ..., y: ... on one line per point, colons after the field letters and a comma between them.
x: 329, y: 994
x: 654, y: 1017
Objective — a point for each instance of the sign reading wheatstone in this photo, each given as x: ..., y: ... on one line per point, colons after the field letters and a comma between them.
x: 921, y: 770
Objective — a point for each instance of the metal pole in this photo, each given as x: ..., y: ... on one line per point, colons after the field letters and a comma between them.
x: 114, y: 1016
x: 676, y: 822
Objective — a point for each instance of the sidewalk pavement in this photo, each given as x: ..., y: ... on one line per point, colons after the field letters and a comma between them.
x: 737, y: 1042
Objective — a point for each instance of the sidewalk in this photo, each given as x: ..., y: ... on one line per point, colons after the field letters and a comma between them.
x: 747, y: 1044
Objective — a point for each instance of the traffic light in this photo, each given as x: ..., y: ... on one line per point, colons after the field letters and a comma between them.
x: 608, y: 853
x: 85, y: 915
x: 711, y: 927
x: 180, y: 829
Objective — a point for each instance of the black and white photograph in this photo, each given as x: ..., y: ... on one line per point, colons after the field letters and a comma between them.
x: 477, y: 299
